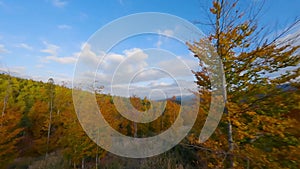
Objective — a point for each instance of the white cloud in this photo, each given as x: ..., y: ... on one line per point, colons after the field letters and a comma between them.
x: 129, y: 64
x: 16, y: 70
x: 134, y: 71
x: 24, y: 46
x: 20, y: 71
x: 64, y: 26
x: 120, y: 66
x: 62, y: 60
x: 3, y: 49
x: 292, y: 38
x: 88, y: 57
x: 52, y: 50
x: 178, y: 67
x: 158, y: 43
x: 59, y: 3
x: 154, y: 89
x: 167, y: 33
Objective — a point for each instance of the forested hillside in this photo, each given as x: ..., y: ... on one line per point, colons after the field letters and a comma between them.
x: 39, y: 126
x: 265, y: 138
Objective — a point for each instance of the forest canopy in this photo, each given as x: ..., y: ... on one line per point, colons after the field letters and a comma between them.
x: 259, y: 128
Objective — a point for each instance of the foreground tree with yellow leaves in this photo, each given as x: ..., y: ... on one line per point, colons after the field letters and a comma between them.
x: 9, y: 121
x: 257, y: 106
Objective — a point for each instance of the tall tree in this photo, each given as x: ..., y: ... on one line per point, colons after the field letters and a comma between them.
x: 9, y: 122
x: 51, y: 96
x: 248, y: 58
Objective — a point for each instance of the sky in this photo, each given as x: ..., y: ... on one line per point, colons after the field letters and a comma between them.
x: 40, y: 39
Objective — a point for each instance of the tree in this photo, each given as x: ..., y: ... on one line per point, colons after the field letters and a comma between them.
x: 247, y: 58
x: 9, y: 122
x: 51, y: 96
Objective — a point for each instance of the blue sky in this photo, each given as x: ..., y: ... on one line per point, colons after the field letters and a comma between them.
x: 42, y: 38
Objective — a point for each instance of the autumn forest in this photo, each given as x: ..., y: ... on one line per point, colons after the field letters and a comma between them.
x: 259, y: 128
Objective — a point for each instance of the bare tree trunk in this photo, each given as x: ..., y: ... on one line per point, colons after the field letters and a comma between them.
x: 4, y: 106
x: 82, y: 163
x: 230, y: 137
x: 248, y: 163
x: 224, y: 87
x: 230, y: 142
x: 97, y: 154
x: 51, y: 82
x: 49, y: 127
x: 6, y: 96
x: 135, y: 129
x: 4, y: 103
x: 97, y: 159
x: 162, y: 122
